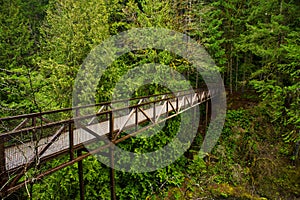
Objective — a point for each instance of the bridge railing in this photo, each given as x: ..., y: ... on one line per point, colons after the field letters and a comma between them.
x: 35, y: 135
x: 28, y: 122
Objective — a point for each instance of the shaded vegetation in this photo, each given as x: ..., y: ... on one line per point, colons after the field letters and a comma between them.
x: 255, y: 45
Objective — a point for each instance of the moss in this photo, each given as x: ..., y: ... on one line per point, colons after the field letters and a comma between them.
x: 225, y: 190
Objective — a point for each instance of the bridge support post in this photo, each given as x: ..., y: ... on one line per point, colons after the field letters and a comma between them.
x: 177, y: 104
x: 136, y: 118
x: 112, y: 175
x: 167, y: 109
x: 80, y: 174
x: 193, y: 119
x: 3, y: 174
x: 71, y: 141
x: 154, y: 112
x: 111, y: 152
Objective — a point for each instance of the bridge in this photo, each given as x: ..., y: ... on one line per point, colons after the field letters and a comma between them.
x: 27, y: 141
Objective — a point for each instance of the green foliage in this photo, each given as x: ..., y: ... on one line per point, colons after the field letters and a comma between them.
x: 64, y: 184
x: 70, y: 30
x: 272, y: 40
x: 18, y: 46
x: 150, y: 13
x: 43, y: 44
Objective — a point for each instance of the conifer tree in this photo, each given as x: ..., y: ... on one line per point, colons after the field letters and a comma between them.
x: 271, y: 38
x: 71, y: 29
x: 17, y: 49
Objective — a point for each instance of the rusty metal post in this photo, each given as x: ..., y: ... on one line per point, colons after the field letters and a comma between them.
x: 193, y: 118
x: 35, y: 140
x: 34, y: 125
x: 112, y: 175
x: 71, y: 141
x: 80, y: 175
x: 154, y: 112
x: 177, y: 104
x: 111, y: 151
x: 111, y: 125
x: 136, y: 118
x: 79, y: 163
x: 3, y: 173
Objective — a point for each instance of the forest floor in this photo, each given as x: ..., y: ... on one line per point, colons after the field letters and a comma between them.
x: 242, y: 100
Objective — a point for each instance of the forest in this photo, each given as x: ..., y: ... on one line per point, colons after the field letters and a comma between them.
x: 255, y: 45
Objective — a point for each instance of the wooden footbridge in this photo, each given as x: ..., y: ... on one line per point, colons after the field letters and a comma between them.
x: 27, y: 141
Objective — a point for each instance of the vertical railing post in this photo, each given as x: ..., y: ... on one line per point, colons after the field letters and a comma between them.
x: 194, y: 118
x: 177, y: 104
x: 108, y: 107
x: 167, y: 108
x: 80, y: 175
x: 136, y: 118
x: 71, y: 140
x: 111, y: 151
x: 33, y: 124
x: 111, y: 125
x: 154, y: 112
x: 3, y: 173
x: 79, y: 153
x: 112, y: 176
x: 35, y: 140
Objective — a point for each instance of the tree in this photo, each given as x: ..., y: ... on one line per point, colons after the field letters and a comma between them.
x: 272, y: 38
x: 71, y: 29
x: 18, y: 45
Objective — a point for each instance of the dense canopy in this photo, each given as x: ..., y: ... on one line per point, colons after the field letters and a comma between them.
x: 255, y: 44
